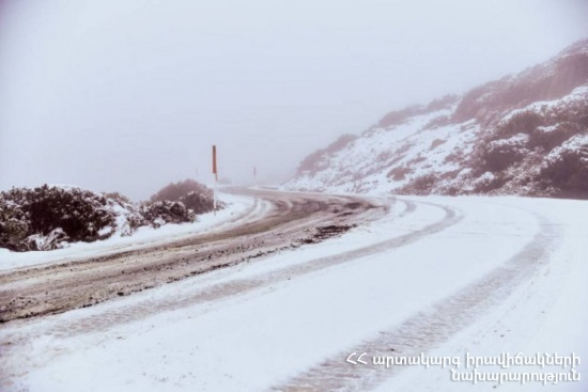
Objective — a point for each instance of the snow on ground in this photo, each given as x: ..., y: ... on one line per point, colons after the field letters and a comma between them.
x: 545, y: 315
x: 306, y: 306
x: 236, y: 209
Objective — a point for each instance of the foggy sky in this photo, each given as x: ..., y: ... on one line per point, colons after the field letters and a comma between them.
x: 128, y: 95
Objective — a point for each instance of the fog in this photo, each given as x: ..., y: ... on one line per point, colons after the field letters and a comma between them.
x: 130, y: 95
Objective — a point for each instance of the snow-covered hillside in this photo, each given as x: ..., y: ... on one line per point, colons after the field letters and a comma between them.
x: 525, y: 134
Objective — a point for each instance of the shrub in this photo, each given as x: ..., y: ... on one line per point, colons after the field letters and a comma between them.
x: 500, y: 154
x: 13, y: 233
x: 489, y: 182
x: 199, y: 203
x: 190, y: 193
x: 421, y: 185
x: 47, y: 217
x: 547, y: 138
x: 161, y: 212
x: 399, y: 173
x: 76, y: 214
x: 523, y: 122
x: 568, y: 173
x: 175, y: 191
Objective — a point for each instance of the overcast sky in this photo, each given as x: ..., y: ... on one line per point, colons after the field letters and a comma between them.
x: 129, y: 95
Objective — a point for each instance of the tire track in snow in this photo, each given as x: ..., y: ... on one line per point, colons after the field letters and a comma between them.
x: 427, y: 329
x: 103, y: 321
x: 239, y: 287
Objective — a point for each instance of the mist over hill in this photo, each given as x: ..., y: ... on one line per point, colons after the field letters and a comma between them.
x: 525, y: 134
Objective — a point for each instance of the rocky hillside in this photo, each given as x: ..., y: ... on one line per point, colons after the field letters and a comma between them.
x: 525, y: 134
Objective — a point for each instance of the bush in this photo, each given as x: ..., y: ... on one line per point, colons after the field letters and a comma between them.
x: 199, y: 203
x: 13, y: 233
x: 58, y: 213
x: 190, y: 193
x: 568, y: 173
x: 489, y: 182
x: 47, y: 217
x: 175, y: 191
x: 162, y: 212
x: 547, y: 138
x: 399, y: 173
x: 421, y: 185
x: 523, y: 122
x: 499, y: 155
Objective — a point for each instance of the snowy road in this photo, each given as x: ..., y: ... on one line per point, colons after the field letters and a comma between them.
x: 437, y: 276
x: 284, y: 221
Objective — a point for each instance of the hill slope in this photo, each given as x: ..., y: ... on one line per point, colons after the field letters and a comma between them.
x: 525, y: 134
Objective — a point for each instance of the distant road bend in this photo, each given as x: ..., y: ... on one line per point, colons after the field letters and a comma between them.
x: 290, y: 220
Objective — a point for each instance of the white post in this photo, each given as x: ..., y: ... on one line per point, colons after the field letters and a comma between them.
x: 214, y: 193
x: 215, y: 173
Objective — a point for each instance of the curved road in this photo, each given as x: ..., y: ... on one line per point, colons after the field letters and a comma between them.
x: 292, y: 220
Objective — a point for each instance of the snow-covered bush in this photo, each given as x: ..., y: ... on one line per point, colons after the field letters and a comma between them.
x: 399, y: 173
x: 190, y: 193
x: 488, y: 182
x: 49, y: 217
x: 549, y: 137
x: 57, y: 214
x: 420, y: 185
x: 199, y: 203
x: 499, y: 154
x: 161, y: 212
x: 566, y: 168
x: 523, y: 122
